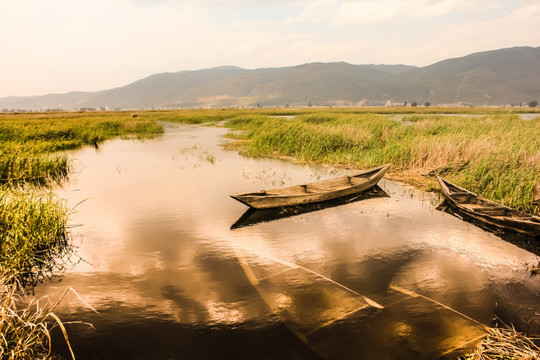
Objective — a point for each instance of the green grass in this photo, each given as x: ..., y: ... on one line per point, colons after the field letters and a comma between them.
x: 496, y: 155
x: 33, y: 236
x: 33, y: 233
x: 24, y: 164
x: 61, y: 131
x: 31, y: 145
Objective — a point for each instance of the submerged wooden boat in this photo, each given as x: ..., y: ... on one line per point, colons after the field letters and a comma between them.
x: 314, y: 192
x: 489, y: 211
x: 338, y: 322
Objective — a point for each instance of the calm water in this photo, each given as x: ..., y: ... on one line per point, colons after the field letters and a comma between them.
x: 175, y: 271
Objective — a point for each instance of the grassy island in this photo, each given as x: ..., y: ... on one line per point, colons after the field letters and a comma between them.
x: 494, y: 154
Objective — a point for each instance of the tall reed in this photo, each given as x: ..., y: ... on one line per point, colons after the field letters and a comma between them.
x: 33, y: 233
x: 496, y: 155
x: 25, y: 326
x: 21, y: 164
x: 505, y: 343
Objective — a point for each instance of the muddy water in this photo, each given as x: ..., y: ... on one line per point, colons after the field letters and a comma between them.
x: 175, y: 271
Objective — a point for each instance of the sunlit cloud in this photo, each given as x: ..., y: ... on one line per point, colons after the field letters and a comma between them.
x: 314, y: 11
x: 372, y: 11
x: 488, y: 34
x: 366, y: 12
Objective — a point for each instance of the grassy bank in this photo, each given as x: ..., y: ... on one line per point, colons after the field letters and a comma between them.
x: 496, y: 155
x: 31, y: 144
x: 34, y: 232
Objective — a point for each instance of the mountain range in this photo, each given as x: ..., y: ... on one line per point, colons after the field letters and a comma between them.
x: 508, y: 76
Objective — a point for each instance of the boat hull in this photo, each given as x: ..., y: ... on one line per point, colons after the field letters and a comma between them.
x: 314, y: 192
x: 489, y: 212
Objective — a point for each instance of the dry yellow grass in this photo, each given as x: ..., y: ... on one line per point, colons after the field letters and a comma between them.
x: 505, y: 343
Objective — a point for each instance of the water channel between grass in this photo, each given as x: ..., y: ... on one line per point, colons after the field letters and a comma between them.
x: 157, y: 255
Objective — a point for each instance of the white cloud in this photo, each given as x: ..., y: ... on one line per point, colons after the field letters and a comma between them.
x: 367, y: 12
x: 314, y: 11
x: 518, y: 28
x: 375, y: 11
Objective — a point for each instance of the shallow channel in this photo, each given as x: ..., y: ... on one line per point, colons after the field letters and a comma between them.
x: 174, y: 270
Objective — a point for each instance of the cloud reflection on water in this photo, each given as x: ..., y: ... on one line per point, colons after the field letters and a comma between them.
x: 158, y: 248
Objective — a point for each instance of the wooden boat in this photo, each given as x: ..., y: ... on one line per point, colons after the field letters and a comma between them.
x: 254, y: 216
x: 489, y: 211
x: 314, y: 192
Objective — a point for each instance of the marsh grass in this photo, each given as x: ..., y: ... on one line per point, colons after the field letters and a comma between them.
x: 26, y: 323
x: 505, y: 343
x: 62, y: 131
x: 24, y: 333
x: 20, y: 165
x: 32, y: 145
x: 495, y: 155
x: 33, y: 235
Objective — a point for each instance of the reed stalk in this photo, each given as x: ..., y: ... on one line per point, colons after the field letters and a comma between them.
x: 505, y: 343
x: 26, y: 323
x: 33, y: 234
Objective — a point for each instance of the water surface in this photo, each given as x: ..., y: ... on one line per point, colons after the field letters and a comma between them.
x: 158, y: 256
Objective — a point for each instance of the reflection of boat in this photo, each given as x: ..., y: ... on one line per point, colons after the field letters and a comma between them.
x: 255, y: 216
x: 314, y: 192
x: 489, y: 211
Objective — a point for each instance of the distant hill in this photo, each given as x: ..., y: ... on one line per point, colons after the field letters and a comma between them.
x: 499, y: 77
x: 506, y: 76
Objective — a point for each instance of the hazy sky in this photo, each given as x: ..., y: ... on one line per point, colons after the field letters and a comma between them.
x: 55, y: 46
